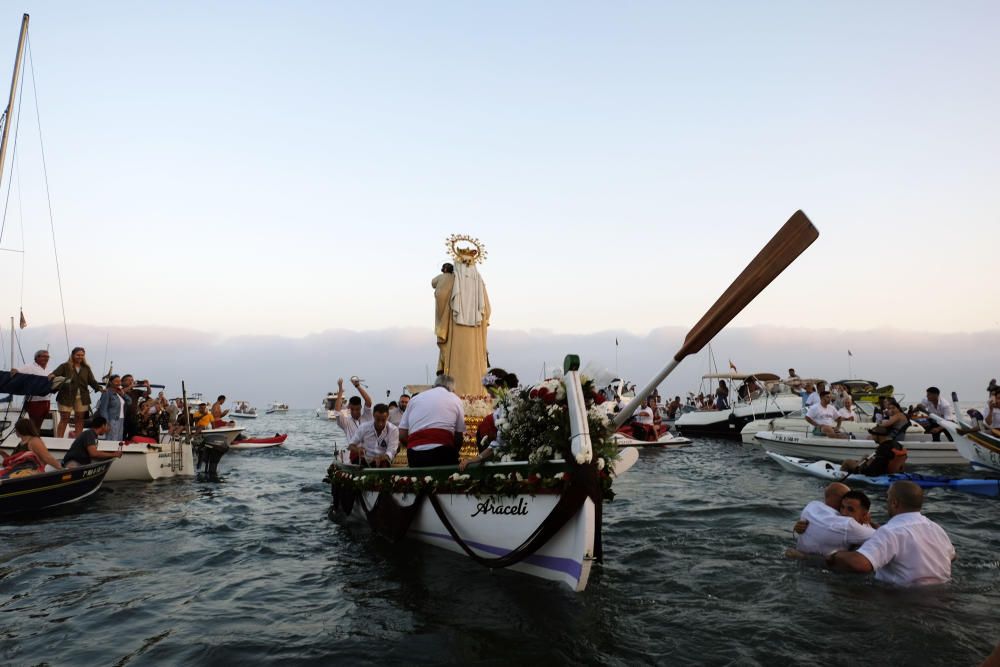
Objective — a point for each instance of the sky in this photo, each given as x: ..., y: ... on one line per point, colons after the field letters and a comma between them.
x: 288, y: 169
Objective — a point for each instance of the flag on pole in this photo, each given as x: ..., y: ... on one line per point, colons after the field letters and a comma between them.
x: 24, y: 322
x: 732, y: 366
x: 616, y: 342
x: 849, y: 353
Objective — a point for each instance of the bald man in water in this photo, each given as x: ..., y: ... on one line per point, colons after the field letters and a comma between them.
x: 828, y: 530
x: 909, y: 550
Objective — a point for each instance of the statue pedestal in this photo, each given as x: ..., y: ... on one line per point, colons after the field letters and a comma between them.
x: 476, y: 410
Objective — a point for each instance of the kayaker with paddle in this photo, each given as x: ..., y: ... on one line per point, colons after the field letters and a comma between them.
x: 889, y: 457
x: 908, y: 550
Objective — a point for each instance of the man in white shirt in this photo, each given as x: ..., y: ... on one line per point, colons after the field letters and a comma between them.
x: 376, y: 442
x: 39, y: 407
x: 839, y: 522
x: 991, y: 416
x: 934, y: 404
x: 825, y: 418
x: 433, y: 426
x: 351, y: 419
x: 811, y: 396
x: 909, y: 550
x: 396, y: 410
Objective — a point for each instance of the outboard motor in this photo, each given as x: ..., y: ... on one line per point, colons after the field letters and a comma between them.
x: 209, y: 453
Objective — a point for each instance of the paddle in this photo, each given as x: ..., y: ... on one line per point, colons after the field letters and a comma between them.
x: 791, y: 240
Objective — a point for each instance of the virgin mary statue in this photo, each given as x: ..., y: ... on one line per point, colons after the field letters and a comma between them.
x: 462, y: 314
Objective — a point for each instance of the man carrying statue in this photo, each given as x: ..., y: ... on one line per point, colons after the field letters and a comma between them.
x: 462, y: 314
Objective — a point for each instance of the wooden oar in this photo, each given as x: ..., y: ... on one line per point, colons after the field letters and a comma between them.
x: 791, y: 240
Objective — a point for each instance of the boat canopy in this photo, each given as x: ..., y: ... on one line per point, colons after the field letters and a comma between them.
x: 763, y: 377
x: 414, y: 389
x: 858, y: 385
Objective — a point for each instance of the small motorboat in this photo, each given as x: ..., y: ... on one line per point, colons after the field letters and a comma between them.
x: 276, y: 407
x: 921, y: 450
x: 244, y: 410
x: 29, y: 492
x: 259, y: 443
x: 832, y: 472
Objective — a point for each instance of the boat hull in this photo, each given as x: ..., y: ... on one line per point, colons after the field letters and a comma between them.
x: 565, y: 558
x: 729, y: 423
x: 800, y: 425
x: 139, y: 461
x: 801, y: 445
x: 259, y: 443
x: 665, y: 441
x: 44, y: 490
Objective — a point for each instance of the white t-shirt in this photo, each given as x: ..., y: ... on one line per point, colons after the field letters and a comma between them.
x: 349, y: 425
x: 910, y: 550
x: 812, y: 399
x: 644, y: 415
x: 434, y: 408
x: 942, y: 410
x: 823, y: 416
x: 375, y: 444
x: 993, y: 419
x: 829, y: 531
x: 34, y: 369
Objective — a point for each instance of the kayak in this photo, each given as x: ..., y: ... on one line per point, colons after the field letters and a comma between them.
x: 259, y: 443
x: 832, y: 472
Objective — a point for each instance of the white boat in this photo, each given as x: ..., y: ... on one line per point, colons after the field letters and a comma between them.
x: 665, y: 441
x: 326, y: 408
x: 508, y: 529
x: 775, y: 400
x: 979, y: 448
x: 243, y: 410
x: 796, y: 422
x: 276, y: 407
x: 922, y: 452
x: 139, y: 461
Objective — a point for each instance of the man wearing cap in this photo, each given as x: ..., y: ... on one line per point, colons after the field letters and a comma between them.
x: 908, y: 550
x: 934, y: 404
x: 888, y: 458
x: 38, y: 407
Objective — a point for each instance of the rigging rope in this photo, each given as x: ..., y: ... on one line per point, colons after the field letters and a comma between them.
x: 48, y: 195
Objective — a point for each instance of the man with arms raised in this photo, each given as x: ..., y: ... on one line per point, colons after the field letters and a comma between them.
x: 825, y: 417
x: 433, y: 425
x: 350, y: 420
x: 836, y: 523
x: 376, y: 441
x: 909, y: 550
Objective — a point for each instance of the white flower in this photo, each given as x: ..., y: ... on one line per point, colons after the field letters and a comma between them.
x: 581, y: 458
x: 519, y: 478
x: 413, y: 479
x: 600, y: 464
x: 499, y: 476
x: 428, y: 479
x: 559, y: 475
x: 455, y: 476
x: 506, y: 458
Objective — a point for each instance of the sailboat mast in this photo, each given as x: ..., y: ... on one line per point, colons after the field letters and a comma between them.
x: 13, y: 93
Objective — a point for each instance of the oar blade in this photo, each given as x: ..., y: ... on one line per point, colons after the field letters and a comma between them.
x: 791, y: 240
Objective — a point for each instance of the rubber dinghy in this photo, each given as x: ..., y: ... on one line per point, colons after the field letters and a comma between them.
x: 832, y: 472
x: 259, y: 443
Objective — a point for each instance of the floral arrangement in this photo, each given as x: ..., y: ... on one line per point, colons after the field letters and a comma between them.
x: 477, y: 406
x: 533, y: 424
x: 489, y: 484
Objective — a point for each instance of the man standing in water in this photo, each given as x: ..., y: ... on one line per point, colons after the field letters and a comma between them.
x: 827, y: 527
x: 909, y: 550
